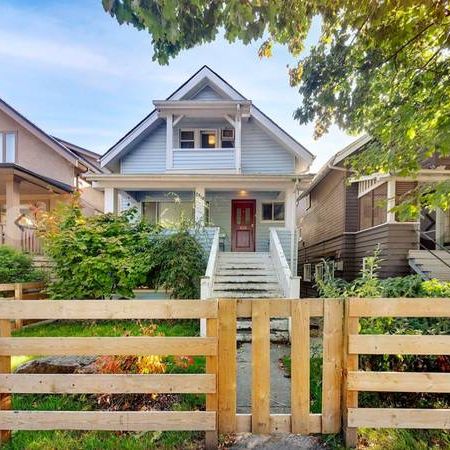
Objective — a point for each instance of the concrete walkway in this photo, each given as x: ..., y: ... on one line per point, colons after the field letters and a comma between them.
x: 278, y: 442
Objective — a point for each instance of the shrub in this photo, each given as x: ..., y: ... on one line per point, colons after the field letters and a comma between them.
x: 17, y: 267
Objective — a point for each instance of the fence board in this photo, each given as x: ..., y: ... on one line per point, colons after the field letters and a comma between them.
x: 399, y: 418
x: 107, y: 383
x: 279, y: 423
x: 5, y: 287
x: 300, y: 367
x: 371, y: 344
x: 279, y: 307
x: 332, y: 365
x: 130, y: 345
x: 261, y: 367
x: 399, y: 382
x: 227, y: 364
x: 109, y: 421
x: 5, y: 368
x: 399, y: 307
x: 212, y: 367
x: 109, y: 309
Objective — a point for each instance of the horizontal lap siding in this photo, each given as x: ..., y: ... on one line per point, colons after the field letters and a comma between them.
x: 203, y: 159
x: 147, y: 156
x: 206, y: 94
x: 261, y: 153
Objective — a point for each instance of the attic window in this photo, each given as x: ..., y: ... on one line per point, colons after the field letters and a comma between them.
x: 187, y: 139
x: 8, y: 147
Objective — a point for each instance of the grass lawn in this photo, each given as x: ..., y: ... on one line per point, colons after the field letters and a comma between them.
x: 90, y: 440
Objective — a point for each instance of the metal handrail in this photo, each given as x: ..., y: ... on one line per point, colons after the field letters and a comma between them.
x: 441, y: 247
x: 431, y: 251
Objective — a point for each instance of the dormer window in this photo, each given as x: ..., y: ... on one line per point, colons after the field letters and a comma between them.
x: 208, y: 138
x: 187, y: 138
x: 227, y: 138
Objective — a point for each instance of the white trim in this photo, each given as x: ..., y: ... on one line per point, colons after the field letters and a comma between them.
x: 169, y: 141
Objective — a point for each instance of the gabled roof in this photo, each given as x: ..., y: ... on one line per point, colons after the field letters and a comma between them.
x: 52, y: 142
x: 206, y: 76
x: 337, y: 158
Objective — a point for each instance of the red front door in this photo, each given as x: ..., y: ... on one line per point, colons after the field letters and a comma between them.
x: 243, y: 225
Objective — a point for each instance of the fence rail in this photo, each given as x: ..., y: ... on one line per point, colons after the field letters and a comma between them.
x: 341, y: 377
x: 356, y: 380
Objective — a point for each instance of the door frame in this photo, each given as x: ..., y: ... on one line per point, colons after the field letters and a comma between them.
x: 235, y: 202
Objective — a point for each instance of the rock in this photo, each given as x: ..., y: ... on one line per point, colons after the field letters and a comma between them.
x: 277, y: 442
x: 59, y: 364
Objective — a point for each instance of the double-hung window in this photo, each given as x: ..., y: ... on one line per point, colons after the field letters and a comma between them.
x: 208, y: 138
x: 187, y: 138
x: 8, y: 143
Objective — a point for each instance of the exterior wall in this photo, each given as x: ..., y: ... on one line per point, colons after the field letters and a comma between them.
x: 261, y: 153
x: 34, y: 155
x: 147, y: 156
x: 208, y: 94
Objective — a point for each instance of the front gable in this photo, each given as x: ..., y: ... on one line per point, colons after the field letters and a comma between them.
x: 261, y: 146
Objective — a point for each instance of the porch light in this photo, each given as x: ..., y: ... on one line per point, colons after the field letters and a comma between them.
x: 242, y: 192
x: 211, y: 139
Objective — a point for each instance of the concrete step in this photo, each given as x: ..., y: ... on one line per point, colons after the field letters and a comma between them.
x: 243, y: 271
x: 260, y: 285
x: 279, y: 331
x: 250, y: 278
x: 244, y: 294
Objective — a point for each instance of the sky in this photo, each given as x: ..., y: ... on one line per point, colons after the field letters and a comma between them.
x: 75, y: 72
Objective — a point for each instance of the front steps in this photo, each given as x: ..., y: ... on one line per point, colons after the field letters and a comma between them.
x: 430, y: 264
x: 249, y: 275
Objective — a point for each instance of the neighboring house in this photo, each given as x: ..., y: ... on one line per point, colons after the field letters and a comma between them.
x: 36, y: 172
x: 227, y: 163
x: 342, y: 220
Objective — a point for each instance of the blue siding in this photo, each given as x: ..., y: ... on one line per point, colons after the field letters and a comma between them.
x: 203, y: 159
x: 207, y: 94
x: 262, y: 154
x: 149, y: 155
x: 194, y: 122
x: 285, y: 236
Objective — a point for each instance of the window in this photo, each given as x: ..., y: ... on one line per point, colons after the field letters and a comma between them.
x: 307, y: 272
x: 150, y: 212
x: 373, y: 208
x: 273, y: 211
x: 318, y: 275
x: 208, y: 138
x: 187, y: 139
x: 227, y: 138
x: 8, y: 147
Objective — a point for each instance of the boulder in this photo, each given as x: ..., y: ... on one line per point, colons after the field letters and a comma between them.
x: 59, y: 364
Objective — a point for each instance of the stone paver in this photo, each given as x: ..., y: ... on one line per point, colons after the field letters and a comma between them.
x: 278, y: 442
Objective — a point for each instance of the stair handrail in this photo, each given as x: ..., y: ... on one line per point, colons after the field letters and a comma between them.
x: 289, y: 282
x: 441, y: 247
x: 208, y: 279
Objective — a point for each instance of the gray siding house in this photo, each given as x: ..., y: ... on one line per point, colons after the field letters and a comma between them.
x: 208, y: 154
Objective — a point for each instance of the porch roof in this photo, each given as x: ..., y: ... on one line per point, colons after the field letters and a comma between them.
x: 33, y: 183
x: 194, y: 108
x: 190, y: 181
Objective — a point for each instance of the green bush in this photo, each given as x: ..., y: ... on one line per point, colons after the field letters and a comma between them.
x: 17, y: 267
x: 109, y: 255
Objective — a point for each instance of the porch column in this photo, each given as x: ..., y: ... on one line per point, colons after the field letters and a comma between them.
x: 12, y: 231
x: 111, y: 200
x: 390, y: 217
x: 238, y: 140
x: 290, y: 209
x: 199, y: 205
x: 169, y: 141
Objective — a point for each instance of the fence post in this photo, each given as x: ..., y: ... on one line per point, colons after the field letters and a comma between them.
x: 5, y: 367
x: 227, y: 365
x: 350, y: 363
x: 333, y: 313
x: 300, y: 366
x: 18, y: 295
x: 261, y: 367
x: 212, y: 366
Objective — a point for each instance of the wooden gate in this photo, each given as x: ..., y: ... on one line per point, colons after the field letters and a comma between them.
x: 260, y: 311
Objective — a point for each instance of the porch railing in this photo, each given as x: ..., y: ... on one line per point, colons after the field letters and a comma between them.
x: 289, y: 282
x: 208, y: 280
x: 2, y: 234
x: 30, y: 242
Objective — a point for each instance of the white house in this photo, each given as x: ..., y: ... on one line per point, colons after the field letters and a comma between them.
x: 229, y: 165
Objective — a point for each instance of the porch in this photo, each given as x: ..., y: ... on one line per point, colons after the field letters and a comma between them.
x: 23, y: 196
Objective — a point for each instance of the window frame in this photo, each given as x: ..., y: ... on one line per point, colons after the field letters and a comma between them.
x: 228, y: 139
x: 273, y: 220
x: 193, y: 130
x: 208, y: 131
x: 3, y: 135
x: 318, y: 269
x: 372, y: 201
x: 307, y: 272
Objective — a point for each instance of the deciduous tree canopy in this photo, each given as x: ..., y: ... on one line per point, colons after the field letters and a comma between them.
x: 380, y: 67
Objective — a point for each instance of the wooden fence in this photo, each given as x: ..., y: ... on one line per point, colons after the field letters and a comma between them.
x: 23, y: 291
x: 340, y: 379
x: 356, y: 380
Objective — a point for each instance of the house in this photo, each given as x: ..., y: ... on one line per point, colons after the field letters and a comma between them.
x: 230, y: 168
x: 36, y: 172
x: 343, y: 219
